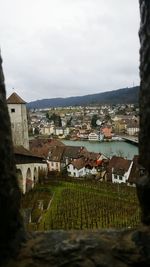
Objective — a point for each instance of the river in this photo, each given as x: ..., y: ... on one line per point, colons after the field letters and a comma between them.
x: 118, y: 148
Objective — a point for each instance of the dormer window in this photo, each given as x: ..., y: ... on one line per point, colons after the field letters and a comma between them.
x: 12, y: 110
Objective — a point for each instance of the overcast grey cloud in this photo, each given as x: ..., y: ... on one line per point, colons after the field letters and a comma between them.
x: 61, y: 48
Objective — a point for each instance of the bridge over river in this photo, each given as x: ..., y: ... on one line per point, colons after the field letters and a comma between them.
x: 130, y: 139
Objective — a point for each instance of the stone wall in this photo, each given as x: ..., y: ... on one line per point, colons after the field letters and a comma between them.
x: 19, y: 125
x: 34, y: 169
x: 11, y: 226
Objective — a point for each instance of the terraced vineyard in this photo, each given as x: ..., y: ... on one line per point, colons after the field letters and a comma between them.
x: 90, y: 205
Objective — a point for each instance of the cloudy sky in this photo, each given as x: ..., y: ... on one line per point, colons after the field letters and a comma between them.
x: 61, y: 48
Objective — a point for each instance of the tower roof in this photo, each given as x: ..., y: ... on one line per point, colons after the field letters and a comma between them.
x: 15, y: 99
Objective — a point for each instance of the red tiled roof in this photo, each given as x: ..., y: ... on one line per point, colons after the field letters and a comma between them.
x: 90, y: 155
x: 15, y: 99
x: 61, y: 153
x: 42, y: 146
x: 72, y: 152
x: 55, y: 153
x: 78, y: 163
x: 40, y: 142
x: 84, y: 162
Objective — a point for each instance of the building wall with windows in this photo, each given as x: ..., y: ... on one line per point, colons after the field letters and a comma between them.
x: 54, y: 166
x: 93, y: 137
x: 74, y: 172
x: 132, y: 130
x: 121, y: 178
x: 19, y: 124
x: 18, y: 118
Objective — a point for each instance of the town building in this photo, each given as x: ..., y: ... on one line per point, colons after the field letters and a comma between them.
x: 88, y: 164
x: 47, y: 130
x: 60, y: 156
x: 93, y: 136
x: 18, y: 116
x: 119, y: 169
x: 132, y: 128
x: 29, y: 166
x: 106, y: 131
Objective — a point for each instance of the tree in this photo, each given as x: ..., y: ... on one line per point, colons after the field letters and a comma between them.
x: 47, y: 116
x: 69, y: 122
x: 93, y: 121
x: 36, y: 131
x: 59, y: 121
x: 56, y: 119
x: 107, y: 117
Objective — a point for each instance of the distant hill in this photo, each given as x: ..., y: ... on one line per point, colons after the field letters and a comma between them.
x: 120, y: 96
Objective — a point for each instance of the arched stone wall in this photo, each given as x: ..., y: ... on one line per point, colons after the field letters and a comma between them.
x: 35, y: 175
x: 29, y: 182
x: 35, y: 169
x: 20, y: 178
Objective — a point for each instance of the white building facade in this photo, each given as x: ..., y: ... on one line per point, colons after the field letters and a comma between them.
x: 121, y: 178
x: 93, y: 137
x: 28, y: 166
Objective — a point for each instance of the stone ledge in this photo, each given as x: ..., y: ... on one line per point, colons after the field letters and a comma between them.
x: 109, y: 248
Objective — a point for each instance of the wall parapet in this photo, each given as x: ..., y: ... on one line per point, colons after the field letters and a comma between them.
x: 109, y: 248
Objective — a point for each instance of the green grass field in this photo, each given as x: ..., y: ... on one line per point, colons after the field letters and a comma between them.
x: 89, y: 205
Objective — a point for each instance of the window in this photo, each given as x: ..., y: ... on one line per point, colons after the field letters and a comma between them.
x: 120, y: 177
x: 12, y: 110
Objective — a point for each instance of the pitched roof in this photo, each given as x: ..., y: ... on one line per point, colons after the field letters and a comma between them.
x: 55, y: 153
x: 20, y: 150
x: 42, y: 146
x: 61, y: 153
x: 117, y: 165
x: 78, y: 163
x: 15, y: 99
x: 87, y: 162
x: 72, y: 152
x: 135, y: 170
x: 133, y: 124
x: 39, y: 142
x: 90, y: 155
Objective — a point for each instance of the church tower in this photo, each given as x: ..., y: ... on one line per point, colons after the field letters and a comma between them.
x: 18, y: 117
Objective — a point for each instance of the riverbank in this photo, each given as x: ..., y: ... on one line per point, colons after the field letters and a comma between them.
x: 118, y: 148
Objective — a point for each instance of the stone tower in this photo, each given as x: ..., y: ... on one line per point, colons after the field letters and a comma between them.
x: 18, y: 117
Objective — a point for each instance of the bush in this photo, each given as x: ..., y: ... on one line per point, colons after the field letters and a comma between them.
x: 42, y: 176
x: 35, y: 215
x: 52, y: 174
